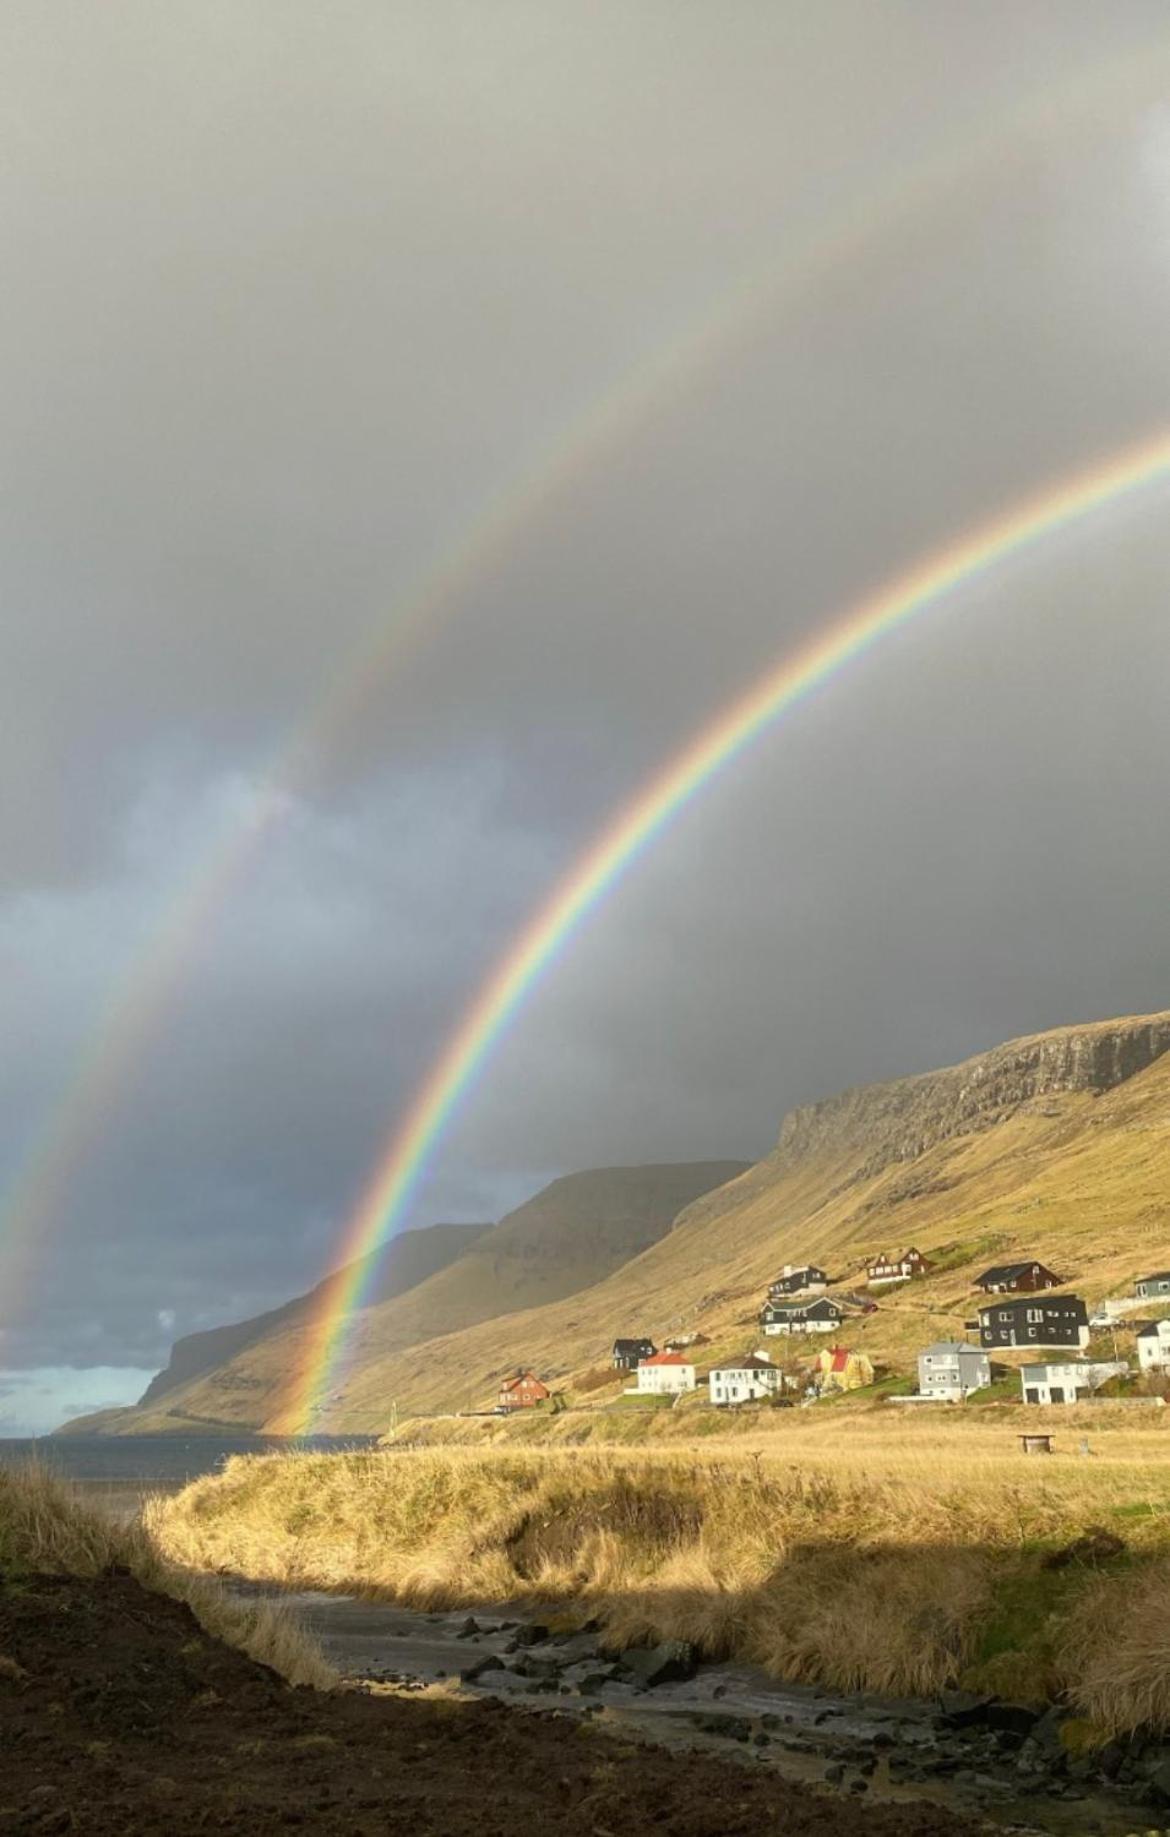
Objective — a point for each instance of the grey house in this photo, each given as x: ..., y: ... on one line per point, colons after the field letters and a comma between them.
x: 1153, y: 1288
x: 951, y: 1370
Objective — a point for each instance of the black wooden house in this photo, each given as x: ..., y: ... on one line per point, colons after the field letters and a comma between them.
x: 1035, y: 1320
x: 628, y: 1352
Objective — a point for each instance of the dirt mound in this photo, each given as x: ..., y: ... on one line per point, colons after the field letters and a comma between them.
x: 119, y: 1715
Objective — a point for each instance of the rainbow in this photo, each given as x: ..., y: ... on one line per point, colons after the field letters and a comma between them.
x: 927, y: 584
x: 131, y: 1018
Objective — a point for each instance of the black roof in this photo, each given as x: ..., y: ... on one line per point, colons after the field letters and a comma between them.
x: 801, y: 1307
x: 1005, y: 1272
x: 630, y: 1345
x: 1159, y: 1275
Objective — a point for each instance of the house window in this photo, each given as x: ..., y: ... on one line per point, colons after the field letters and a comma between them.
x: 1055, y: 1393
x: 1036, y: 1314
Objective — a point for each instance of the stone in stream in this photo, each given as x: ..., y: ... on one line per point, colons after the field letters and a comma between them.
x: 530, y: 1634
x: 468, y: 1629
x: 670, y: 1663
x: 597, y: 1679
x: 477, y: 1667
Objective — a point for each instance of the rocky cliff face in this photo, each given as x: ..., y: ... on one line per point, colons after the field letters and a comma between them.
x: 879, y: 1124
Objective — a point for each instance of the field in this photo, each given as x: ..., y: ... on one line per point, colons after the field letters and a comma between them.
x: 897, y: 1556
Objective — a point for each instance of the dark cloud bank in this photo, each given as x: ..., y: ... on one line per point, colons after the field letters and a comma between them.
x: 290, y: 293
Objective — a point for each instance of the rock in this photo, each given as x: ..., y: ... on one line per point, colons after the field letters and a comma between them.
x: 1159, y: 1783
x: 859, y: 1785
x: 987, y: 1784
x: 868, y: 1766
x: 530, y: 1634
x: 1011, y: 1718
x: 597, y: 1680
x: 670, y: 1663
x: 835, y: 1772
x: 769, y: 1720
x: 962, y: 1709
x: 478, y: 1666
x: 533, y: 1665
x: 468, y: 1629
x: 1046, y: 1732
x: 762, y: 1740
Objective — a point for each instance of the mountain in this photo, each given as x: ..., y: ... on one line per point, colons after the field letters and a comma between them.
x: 572, y: 1234
x: 1056, y: 1145
x: 408, y: 1260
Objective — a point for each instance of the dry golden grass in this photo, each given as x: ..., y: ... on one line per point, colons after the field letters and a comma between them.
x: 902, y: 1562
x: 45, y: 1529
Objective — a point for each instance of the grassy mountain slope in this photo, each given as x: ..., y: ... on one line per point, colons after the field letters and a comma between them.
x: 1057, y: 1145
x: 572, y: 1234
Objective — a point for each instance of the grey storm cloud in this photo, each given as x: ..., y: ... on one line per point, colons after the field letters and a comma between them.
x: 292, y: 294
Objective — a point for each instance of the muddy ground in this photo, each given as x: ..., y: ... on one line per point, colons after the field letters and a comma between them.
x: 119, y: 1715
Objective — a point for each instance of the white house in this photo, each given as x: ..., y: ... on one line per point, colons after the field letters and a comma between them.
x: 819, y: 1316
x: 951, y: 1370
x: 1153, y: 1346
x: 745, y: 1380
x: 1070, y: 1383
x: 666, y: 1373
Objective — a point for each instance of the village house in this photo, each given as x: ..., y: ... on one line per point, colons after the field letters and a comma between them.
x: 1016, y: 1278
x: 1070, y: 1383
x: 799, y: 1279
x: 951, y: 1369
x: 1062, y: 1320
x: 1153, y: 1346
x: 522, y: 1392
x: 1153, y: 1288
x: 744, y: 1380
x: 818, y: 1316
x: 896, y: 1266
x: 838, y: 1369
x: 628, y: 1352
x: 665, y: 1373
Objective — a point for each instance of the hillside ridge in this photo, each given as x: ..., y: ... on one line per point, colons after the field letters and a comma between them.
x: 905, y: 1117
x: 409, y: 1260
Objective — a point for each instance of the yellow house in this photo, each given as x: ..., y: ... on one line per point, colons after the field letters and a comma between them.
x: 837, y: 1369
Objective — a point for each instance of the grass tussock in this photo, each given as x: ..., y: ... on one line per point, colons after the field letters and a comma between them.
x: 900, y: 1565
x: 46, y: 1529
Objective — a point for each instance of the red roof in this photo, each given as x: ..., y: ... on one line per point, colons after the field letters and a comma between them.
x: 841, y: 1358
x: 667, y: 1358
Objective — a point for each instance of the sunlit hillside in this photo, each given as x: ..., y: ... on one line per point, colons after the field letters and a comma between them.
x: 1058, y: 1145
x: 570, y: 1235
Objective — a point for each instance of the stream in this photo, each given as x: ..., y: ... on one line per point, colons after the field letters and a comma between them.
x: 951, y: 1753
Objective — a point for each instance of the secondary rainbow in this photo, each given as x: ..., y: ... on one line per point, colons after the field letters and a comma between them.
x: 927, y: 584
x: 130, y: 1020
x: 131, y: 1017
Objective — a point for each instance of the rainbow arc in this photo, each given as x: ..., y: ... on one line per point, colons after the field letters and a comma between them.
x: 929, y: 584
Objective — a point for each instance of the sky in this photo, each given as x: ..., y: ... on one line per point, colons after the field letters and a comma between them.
x: 736, y: 309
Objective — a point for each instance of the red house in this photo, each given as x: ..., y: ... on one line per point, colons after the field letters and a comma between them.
x: 522, y: 1392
